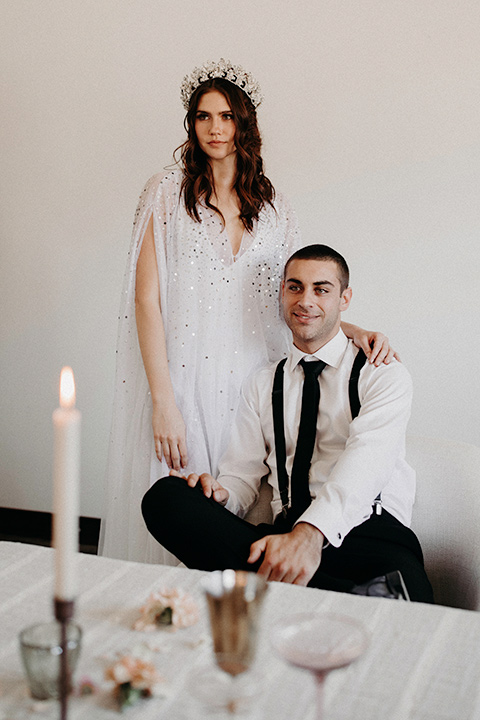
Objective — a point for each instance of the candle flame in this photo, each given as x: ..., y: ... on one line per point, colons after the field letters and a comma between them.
x: 67, y: 388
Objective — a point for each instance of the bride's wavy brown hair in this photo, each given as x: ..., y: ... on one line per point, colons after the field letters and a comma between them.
x: 253, y: 188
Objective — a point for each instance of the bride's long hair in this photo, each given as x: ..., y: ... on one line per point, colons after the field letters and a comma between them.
x: 253, y: 188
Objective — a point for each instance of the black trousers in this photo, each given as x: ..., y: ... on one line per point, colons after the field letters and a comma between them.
x: 206, y: 536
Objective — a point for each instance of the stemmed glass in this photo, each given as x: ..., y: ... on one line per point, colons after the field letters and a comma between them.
x: 320, y: 643
x: 234, y: 600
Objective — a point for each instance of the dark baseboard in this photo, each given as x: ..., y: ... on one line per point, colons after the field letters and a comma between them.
x: 36, y: 527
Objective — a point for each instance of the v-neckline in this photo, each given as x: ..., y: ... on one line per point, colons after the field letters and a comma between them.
x: 219, y: 240
x: 235, y: 254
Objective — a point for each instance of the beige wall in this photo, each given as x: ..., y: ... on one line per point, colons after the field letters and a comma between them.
x: 370, y: 125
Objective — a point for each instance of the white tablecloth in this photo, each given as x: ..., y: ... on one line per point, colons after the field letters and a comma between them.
x: 423, y: 661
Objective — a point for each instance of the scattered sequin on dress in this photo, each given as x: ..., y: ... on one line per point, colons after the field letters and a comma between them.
x: 222, y: 321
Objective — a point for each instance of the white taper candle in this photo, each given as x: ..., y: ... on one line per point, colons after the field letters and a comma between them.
x: 66, y: 482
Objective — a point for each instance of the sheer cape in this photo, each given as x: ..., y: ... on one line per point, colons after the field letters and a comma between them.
x: 222, y: 321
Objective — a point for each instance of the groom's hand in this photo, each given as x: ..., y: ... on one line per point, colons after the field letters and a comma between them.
x: 210, y: 486
x: 292, y: 558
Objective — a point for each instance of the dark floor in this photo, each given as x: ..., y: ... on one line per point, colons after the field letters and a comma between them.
x: 35, y: 528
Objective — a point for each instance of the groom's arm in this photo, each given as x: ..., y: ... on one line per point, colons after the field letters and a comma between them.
x: 244, y: 463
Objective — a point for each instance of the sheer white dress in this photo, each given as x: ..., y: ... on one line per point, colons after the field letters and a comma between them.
x: 222, y: 321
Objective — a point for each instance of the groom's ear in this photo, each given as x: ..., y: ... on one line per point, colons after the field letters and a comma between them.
x: 346, y: 298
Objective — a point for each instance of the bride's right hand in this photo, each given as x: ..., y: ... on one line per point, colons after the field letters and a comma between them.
x: 169, y: 435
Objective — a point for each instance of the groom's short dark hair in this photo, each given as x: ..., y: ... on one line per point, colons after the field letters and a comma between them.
x: 322, y: 252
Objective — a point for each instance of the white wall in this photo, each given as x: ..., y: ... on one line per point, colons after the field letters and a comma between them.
x: 371, y: 124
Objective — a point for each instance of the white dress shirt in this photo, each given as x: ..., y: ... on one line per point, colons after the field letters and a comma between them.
x: 352, y: 462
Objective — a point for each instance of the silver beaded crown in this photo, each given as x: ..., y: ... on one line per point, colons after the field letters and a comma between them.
x: 221, y: 69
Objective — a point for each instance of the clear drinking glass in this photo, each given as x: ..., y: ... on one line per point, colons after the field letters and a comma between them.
x: 40, y: 648
x: 320, y: 643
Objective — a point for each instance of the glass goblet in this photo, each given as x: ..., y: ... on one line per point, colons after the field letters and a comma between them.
x: 234, y: 600
x: 320, y: 643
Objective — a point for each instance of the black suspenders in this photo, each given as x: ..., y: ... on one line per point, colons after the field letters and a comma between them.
x: 358, y: 363
x: 279, y: 427
x: 279, y: 431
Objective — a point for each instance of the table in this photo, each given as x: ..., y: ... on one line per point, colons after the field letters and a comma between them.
x: 423, y: 662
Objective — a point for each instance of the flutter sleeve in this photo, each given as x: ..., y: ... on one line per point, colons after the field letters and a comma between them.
x: 290, y: 228
x: 132, y: 464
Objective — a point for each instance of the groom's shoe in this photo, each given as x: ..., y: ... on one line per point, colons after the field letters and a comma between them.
x: 391, y: 585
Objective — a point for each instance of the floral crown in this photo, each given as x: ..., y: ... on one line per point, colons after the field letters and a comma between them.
x: 221, y: 69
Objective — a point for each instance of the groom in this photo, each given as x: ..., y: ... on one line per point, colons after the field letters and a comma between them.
x: 327, y: 431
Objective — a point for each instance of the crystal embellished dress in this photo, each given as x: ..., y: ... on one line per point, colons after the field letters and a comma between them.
x: 222, y: 321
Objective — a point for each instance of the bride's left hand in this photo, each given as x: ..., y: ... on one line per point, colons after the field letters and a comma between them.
x: 377, y: 348
x: 375, y: 345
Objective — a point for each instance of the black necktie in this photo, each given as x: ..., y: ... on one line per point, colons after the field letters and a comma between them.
x: 307, y: 431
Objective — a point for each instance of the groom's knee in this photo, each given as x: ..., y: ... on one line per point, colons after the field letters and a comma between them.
x: 161, y: 500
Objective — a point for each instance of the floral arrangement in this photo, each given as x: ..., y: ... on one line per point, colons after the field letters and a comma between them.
x: 135, y: 677
x: 133, y: 673
x: 169, y: 607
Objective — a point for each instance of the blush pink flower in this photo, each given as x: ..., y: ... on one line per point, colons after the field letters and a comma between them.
x: 167, y: 607
x: 139, y: 673
x: 134, y: 678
